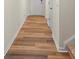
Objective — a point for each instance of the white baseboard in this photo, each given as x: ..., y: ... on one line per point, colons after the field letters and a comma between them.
x: 56, y: 43
x: 60, y: 49
x: 14, y: 37
x: 63, y: 49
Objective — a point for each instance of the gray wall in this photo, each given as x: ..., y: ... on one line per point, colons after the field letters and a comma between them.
x: 67, y: 20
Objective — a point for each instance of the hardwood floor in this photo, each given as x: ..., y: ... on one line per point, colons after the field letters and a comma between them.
x: 35, y: 41
x: 71, y: 48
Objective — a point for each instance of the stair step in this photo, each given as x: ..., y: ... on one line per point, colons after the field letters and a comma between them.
x: 35, y: 50
x: 31, y: 41
x: 59, y: 56
x: 12, y: 56
x: 35, y: 35
x: 36, y: 30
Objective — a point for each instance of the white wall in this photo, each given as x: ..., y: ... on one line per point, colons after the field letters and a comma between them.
x: 47, y: 9
x: 67, y: 20
x: 15, y: 13
x: 63, y: 24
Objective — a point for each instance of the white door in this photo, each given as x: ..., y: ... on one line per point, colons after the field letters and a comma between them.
x: 37, y: 7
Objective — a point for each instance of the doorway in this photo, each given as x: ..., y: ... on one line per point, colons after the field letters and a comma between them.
x: 37, y: 7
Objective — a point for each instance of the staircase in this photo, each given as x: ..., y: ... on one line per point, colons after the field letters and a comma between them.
x: 35, y: 41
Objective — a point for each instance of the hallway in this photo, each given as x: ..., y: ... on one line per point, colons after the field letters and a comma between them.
x: 35, y: 41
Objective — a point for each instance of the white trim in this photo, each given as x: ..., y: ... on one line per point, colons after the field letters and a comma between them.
x: 60, y: 49
x: 56, y: 44
x: 63, y: 49
x: 71, y: 39
x: 14, y: 37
